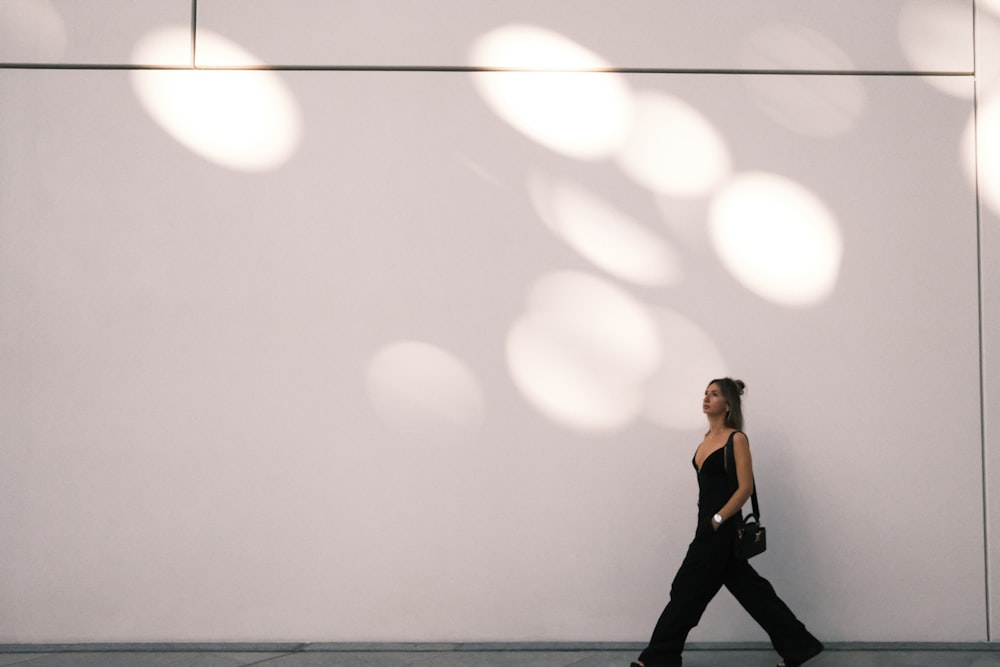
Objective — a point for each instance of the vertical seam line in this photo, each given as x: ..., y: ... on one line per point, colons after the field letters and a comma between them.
x: 982, y: 356
x: 194, y: 34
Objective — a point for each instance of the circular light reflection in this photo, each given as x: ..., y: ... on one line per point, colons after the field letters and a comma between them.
x: 31, y: 30
x: 819, y: 106
x: 243, y: 120
x: 777, y: 238
x: 986, y: 156
x: 673, y: 149
x: 810, y: 105
x: 791, y: 46
x: 582, y: 351
x: 690, y: 360
x: 420, y: 390
x: 603, y: 234
x: 936, y: 35
x: 987, y: 45
x: 581, y: 114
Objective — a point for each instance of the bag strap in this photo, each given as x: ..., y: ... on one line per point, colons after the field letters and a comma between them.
x: 730, y: 464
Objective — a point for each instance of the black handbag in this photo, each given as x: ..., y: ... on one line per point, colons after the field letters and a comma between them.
x: 751, y: 536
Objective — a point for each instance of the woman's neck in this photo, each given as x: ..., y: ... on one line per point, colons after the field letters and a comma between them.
x: 716, y: 425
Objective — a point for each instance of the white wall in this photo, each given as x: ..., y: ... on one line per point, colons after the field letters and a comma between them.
x: 380, y: 346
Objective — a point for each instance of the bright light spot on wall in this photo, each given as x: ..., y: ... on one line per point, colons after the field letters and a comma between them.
x: 777, y: 238
x: 936, y: 35
x: 673, y: 149
x: 31, y: 30
x: 421, y: 391
x: 604, y: 234
x: 790, y: 46
x: 583, y: 115
x: 819, y: 106
x: 987, y: 45
x: 810, y: 105
x: 690, y: 360
x: 582, y: 352
x: 987, y: 153
x: 243, y: 120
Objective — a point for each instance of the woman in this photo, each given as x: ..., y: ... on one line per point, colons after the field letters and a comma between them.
x: 710, y: 562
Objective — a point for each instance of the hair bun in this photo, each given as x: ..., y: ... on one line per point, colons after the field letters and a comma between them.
x: 740, y: 386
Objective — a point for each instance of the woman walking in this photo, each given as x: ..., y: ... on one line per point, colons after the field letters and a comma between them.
x: 710, y: 562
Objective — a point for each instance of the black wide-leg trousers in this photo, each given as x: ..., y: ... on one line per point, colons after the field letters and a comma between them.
x: 708, y: 566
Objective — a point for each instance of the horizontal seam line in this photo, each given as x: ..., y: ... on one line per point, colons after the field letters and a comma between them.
x: 449, y: 68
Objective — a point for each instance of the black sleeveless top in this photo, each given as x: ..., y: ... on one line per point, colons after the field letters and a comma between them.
x: 714, y: 488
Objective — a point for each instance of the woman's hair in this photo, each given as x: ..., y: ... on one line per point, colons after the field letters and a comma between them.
x: 731, y: 391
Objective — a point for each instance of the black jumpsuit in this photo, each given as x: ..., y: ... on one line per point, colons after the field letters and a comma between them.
x: 711, y: 564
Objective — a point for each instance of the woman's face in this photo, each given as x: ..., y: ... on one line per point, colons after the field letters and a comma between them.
x: 713, y: 403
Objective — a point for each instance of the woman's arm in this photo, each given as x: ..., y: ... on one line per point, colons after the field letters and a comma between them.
x: 744, y: 476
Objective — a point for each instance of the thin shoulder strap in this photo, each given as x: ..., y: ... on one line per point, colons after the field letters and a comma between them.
x: 730, y: 463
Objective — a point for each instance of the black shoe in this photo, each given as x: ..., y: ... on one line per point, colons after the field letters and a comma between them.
x: 797, y: 663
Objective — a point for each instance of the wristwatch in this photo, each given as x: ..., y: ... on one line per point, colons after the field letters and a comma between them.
x: 717, y: 519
